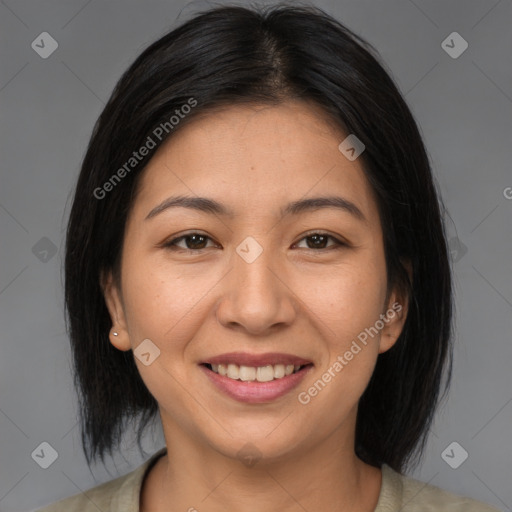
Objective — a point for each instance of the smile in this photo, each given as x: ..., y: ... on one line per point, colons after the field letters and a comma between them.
x: 261, y: 383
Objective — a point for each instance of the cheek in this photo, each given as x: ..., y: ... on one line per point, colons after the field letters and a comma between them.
x: 346, y: 308
x: 347, y: 303
x: 162, y: 301
x: 347, y: 299
x: 164, y: 306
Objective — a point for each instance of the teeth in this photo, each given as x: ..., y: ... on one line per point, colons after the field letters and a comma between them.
x: 279, y: 371
x: 251, y: 373
x: 265, y: 373
x: 247, y: 373
x: 233, y: 371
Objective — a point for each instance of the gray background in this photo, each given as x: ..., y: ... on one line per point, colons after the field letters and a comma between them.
x: 464, y: 109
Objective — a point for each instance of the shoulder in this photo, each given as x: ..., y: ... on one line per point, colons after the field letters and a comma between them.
x: 94, y: 499
x: 409, y: 494
x: 120, y: 494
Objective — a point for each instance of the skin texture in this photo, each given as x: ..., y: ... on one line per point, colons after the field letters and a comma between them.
x: 294, y: 298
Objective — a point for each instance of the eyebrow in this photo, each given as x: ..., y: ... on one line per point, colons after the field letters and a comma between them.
x: 206, y: 205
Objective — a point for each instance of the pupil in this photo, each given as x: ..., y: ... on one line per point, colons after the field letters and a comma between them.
x: 196, y: 241
x: 318, y: 240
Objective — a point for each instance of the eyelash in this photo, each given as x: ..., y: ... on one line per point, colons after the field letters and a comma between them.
x: 171, y: 244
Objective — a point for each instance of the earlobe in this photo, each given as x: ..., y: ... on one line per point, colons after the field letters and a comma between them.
x: 119, y: 340
x: 118, y: 334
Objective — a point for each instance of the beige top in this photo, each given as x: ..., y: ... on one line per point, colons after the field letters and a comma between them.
x: 398, y: 493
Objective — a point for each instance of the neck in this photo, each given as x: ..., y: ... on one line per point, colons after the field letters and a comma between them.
x: 194, y: 477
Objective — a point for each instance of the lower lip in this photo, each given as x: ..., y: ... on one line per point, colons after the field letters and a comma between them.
x: 256, y: 392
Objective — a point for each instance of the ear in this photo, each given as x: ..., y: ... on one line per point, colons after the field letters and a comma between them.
x: 115, y: 307
x: 395, y: 314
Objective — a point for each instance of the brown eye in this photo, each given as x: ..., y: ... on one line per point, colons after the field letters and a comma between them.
x: 320, y: 241
x: 192, y: 242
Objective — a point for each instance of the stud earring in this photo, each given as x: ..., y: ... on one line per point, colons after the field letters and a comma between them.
x: 114, y: 333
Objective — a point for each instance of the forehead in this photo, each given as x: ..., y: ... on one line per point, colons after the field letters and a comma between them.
x: 256, y: 156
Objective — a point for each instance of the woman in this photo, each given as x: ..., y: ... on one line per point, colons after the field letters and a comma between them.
x: 256, y: 252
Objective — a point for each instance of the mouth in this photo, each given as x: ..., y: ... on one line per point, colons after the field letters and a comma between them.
x: 255, y: 378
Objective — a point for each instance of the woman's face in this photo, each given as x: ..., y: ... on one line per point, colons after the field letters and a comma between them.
x: 264, y: 272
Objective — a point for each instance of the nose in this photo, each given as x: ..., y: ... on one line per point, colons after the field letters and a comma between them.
x: 255, y: 296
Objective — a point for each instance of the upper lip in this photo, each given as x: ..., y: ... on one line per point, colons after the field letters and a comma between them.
x: 255, y: 360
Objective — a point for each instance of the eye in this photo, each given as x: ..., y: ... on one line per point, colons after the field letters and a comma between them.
x: 193, y: 242
x: 319, y: 240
